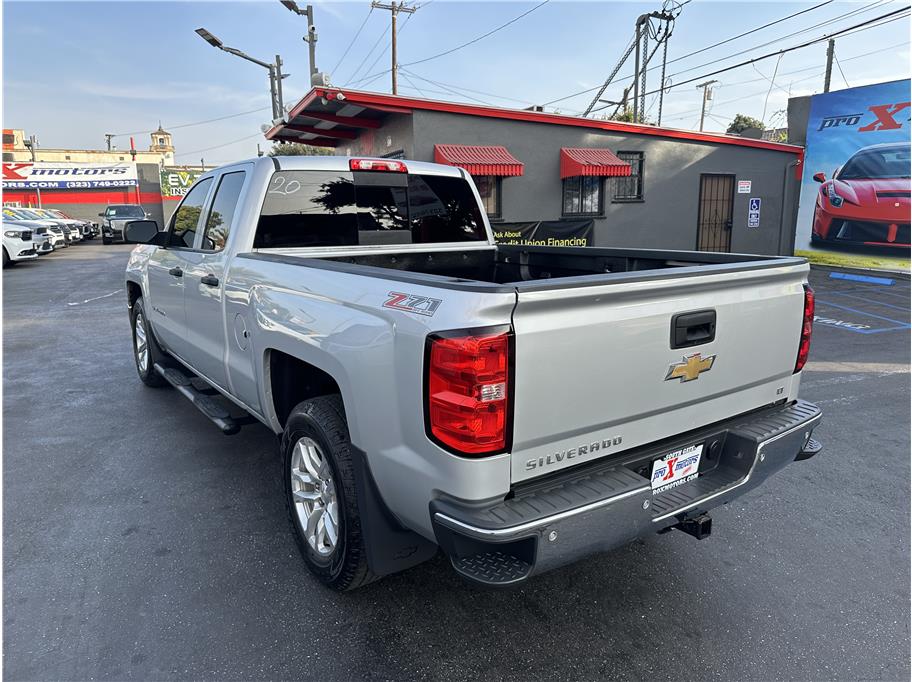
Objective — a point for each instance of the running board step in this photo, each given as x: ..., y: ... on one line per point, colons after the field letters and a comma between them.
x: 204, y: 403
x: 492, y: 568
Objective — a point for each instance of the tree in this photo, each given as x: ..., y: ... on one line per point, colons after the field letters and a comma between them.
x: 742, y: 123
x: 298, y: 149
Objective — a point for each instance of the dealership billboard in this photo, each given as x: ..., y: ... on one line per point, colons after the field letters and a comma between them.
x: 176, y: 180
x: 855, y: 186
x: 50, y: 175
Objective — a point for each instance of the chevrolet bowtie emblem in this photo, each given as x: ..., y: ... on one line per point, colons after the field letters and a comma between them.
x: 691, y: 367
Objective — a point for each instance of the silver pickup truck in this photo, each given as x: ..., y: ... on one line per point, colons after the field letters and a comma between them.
x: 517, y: 407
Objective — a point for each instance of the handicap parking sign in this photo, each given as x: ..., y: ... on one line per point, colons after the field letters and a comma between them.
x: 753, y: 212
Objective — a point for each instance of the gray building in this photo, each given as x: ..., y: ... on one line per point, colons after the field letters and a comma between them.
x: 621, y: 184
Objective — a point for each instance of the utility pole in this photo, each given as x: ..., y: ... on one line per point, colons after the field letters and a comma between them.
x: 108, y: 138
x: 394, y: 10
x: 831, y: 50
x: 707, y: 95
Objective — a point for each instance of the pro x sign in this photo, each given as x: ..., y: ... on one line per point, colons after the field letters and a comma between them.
x: 48, y: 175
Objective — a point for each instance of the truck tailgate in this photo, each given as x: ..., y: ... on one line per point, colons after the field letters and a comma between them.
x: 592, y: 362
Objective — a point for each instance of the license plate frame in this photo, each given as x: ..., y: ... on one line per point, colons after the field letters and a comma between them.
x: 676, y: 468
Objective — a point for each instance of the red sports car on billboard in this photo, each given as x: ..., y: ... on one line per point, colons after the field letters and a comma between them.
x: 867, y: 202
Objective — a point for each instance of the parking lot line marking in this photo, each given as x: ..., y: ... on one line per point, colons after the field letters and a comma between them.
x: 878, y: 292
x: 873, y: 301
x: 862, y: 312
x: 886, y: 281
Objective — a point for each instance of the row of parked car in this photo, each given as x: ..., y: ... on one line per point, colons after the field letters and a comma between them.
x: 31, y: 232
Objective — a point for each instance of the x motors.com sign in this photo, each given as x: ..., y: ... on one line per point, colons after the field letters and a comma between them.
x: 47, y: 175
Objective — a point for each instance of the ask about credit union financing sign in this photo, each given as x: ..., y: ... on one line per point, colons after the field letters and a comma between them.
x: 49, y: 175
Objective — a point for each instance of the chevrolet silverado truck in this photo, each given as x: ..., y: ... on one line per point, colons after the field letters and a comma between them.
x: 516, y: 407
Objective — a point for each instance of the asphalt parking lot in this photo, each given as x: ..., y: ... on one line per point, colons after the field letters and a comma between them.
x: 140, y: 543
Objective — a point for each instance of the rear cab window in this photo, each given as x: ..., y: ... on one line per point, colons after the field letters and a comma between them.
x: 318, y: 208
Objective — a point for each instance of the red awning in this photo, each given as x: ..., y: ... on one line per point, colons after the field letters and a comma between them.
x: 479, y: 160
x: 575, y: 161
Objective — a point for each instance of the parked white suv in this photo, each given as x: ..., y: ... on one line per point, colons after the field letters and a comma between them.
x: 17, y: 244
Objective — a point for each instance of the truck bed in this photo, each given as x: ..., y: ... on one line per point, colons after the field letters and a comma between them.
x: 529, y: 267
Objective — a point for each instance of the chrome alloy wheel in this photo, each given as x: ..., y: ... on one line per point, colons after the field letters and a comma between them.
x: 314, y: 495
x: 141, y: 344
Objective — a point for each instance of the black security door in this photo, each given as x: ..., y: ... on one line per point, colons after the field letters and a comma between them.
x: 717, y: 198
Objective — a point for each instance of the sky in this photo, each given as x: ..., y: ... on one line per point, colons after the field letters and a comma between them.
x: 73, y: 71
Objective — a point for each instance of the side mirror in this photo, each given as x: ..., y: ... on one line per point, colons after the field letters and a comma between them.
x: 140, y: 231
x: 819, y: 177
x: 101, y: 215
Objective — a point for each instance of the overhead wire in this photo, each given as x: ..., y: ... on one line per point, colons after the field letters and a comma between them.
x: 368, y: 55
x: 357, y: 33
x: 478, y: 38
x: 865, y: 25
x: 219, y: 146
x: 841, y: 72
x: 684, y: 114
x: 195, y: 123
x: 690, y: 54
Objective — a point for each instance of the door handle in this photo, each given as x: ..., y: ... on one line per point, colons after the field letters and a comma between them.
x: 209, y: 280
x: 176, y: 272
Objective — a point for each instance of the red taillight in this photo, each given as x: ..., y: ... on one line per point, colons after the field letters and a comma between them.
x: 807, y: 325
x: 468, y: 390
x: 375, y: 165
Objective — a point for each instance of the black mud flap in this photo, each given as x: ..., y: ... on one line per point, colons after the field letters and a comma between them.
x: 390, y: 547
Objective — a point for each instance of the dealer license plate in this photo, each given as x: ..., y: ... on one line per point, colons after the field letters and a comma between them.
x: 676, y: 468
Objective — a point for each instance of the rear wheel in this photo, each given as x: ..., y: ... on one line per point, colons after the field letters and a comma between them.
x: 105, y: 240
x: 320, y: 493
x: 146, y: 351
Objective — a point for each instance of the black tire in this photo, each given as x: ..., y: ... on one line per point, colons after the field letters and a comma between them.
x: 156, y: 355
x: 323, y: 420
x: 7, y: 261
x: 105, y: 241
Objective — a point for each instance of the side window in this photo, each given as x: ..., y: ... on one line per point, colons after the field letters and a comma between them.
x: 186, y: 218
x: 218, y: 223
x: 630, y: 188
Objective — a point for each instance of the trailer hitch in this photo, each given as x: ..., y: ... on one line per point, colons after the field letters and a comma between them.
x: 699, y: 526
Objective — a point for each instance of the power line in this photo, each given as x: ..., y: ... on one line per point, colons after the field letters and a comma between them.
x: 357, y: 33
x: 690, y: 54
x: 219, y: 146
x: 462, y: 90
x: 405, y: 76
x: 841, y: 72
x: 753, y: 30
x: 369, y: 53
x: 862, y: 26
x: 374, y: 76
x: 195, y: 123
x: 846, y: 31
x: 789, y: 35
x: 448, y: 90
x: 481, y: 37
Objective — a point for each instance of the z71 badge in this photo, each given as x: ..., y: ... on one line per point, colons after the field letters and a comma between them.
x: 409, y: 303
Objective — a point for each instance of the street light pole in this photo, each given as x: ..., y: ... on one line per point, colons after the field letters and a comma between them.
x: 310, y: 38
x: 275, y: 89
